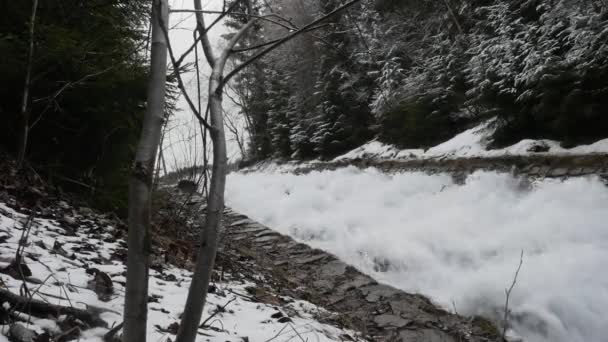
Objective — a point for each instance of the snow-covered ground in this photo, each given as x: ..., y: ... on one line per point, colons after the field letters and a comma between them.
x: 460, y: 245
x: 470, y: 143
x: 66, y: 282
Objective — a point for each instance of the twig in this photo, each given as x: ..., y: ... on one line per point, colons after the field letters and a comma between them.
x: 218, y: 310
x: 109, y: 336
x: 297, y: 333
x: 278, y: 334
x: 180, y: 82
x: 508, y: 295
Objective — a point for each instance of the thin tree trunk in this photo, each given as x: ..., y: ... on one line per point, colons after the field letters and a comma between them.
x: 25, y: 113
x: 210, y: 234
x: 209, y: 240
x: 136, y: 297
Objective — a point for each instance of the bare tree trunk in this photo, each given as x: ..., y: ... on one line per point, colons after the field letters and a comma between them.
x: 209, y: 240
x: 136, y: 297
x: 25, y: 113
x: 197, y: 293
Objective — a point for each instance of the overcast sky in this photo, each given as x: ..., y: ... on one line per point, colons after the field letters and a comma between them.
x: 178, y: 148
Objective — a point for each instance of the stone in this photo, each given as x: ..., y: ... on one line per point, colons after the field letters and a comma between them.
x: 355, y: 283
x: 265, y: 239
x: 266, y: 232
x: 333, y: 269
x: 377, y: 292
x: 558, y: 172
x: 538, y: 147
x: 425, y: 335
x: 311, y: 259
x: 388, y: 321
x: 19, y: 333
x: 186, y: 186
x: 534, y: 170
x: 588, y: 170
x: 242, y: 222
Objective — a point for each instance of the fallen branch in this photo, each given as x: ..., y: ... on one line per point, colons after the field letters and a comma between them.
x: 42, y: 309
x: 218, y: 310
x: 109, y: 336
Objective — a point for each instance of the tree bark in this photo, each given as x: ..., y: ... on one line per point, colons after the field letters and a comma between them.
x: 140, y: 187
x: 25, y: 114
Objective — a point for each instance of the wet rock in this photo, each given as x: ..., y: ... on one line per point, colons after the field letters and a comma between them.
x: 243, y: 222
x: 19, y: 333
x: 390, y: 321
x: 425, y: 335
x: 538, y: 147
x: 355, y: 283
x: 265, y: 239
x: 311, y: 259
x: 377, y: 292
x: 558, y: 172
x: 333, y: 269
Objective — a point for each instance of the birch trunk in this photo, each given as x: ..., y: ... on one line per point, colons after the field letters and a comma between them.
x: 140, y: 187
x: 197, y: 294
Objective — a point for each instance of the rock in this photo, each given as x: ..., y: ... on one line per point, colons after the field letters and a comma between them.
x: 85, y: 211
x: 388, y: 321
x: 333, y: 269
x: 63, y: 205
x: 265, y: 239
x: 186, y: 186
x: 377, y: 292
x: 102, y: 285
x: 173, y: 328
x: 311, y: 259
x: 69, y: 220
x: 284, y: 320
x: 19, y: 333
x: 558, y: 172
x: 17, y: 271
x: 538, y: 147
x: 242, y: 222
x: 425, y: 335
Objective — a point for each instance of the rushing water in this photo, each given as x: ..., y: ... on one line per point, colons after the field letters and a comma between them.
x: 458, y: 244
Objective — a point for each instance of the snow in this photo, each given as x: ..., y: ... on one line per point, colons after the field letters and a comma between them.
x: 460, y: 245
x: 65, y: 282
x: 470, y: 143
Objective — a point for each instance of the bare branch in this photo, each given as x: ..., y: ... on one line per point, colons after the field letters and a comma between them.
x: 206, y: 29
x: 508, y: 295
x: 202, y: 32
x: 180, y: 82
x: 274, y: 40
x: 282, y: 41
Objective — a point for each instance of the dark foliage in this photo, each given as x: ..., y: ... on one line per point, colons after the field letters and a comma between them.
x: 88, y: 89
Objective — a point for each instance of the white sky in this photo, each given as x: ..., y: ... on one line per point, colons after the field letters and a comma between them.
x: 180, y: 148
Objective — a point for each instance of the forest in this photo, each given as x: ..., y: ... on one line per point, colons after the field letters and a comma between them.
x: 415, y: 73
x: 411, y: 73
